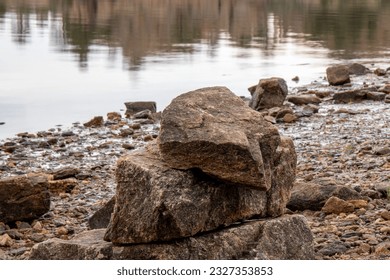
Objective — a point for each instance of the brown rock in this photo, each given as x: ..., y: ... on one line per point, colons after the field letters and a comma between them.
x: 386, y: 215
x: 114, y: 116
x: 303, y: 99
x: 23, y: 198
x: 62, y: 186
x: 174, y: 203
x: 6, y: 240
x: 380, y: 72
x: 101, y: 218
x: 95, y: 122
x: 269, y: 93
x: 311, y: 196
x: 135, y: 107
x: 65, y: 172
x: 287, y: 237
x: 337, y: 75
x: 358, y: 203
x: 88, y: 245
x: 289, y: 118
x: 196, y: 132
x: 376, y: 96
x: 349, y: 96
x: 357, y: 69
x: 383, y: 249
x: 335, y: 205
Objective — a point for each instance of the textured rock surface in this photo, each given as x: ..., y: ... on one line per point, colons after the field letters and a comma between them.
x: 88, y: 245
x: 155, y: 202
x: 313, y: 196
x: 215, y: 131
x: 338, y: 75
x: 304, y: 99
x: 349, y: 96
x: 101, y: 218
x: 269, y: 93
x: 335, y: 205
x: 287, y: 237
x: 357, y: 69
x: 136, y: 107
x: 23, y: 198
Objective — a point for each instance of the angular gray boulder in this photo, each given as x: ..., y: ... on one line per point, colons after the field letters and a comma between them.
x: 213, y: 130
x: 23, y: 198
x: 269, y: 93
x: 283, y: 238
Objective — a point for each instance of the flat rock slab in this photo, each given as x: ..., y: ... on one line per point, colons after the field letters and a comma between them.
x: 284, y: 238
x: 214, y: 130
x: 23, y: 198
x: 157, y: 203
x: 138, y: 106
x: 88, y: 245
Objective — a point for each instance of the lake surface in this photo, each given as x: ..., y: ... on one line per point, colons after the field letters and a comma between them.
x: 64, y: 61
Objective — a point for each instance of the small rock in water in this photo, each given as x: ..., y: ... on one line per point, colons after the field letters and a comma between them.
x: 2, y: 123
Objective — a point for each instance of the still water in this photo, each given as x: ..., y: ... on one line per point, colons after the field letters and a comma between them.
x: 63, y: 61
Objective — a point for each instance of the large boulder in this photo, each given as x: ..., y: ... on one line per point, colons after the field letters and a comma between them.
x: 157, y: 203
x: 213, y: 130
x: 23, y: 198
x: 338, y: 75
x: 287, y: 237
x: 268, y: 93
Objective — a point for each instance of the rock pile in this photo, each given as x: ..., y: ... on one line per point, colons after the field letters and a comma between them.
x: 216, y: 182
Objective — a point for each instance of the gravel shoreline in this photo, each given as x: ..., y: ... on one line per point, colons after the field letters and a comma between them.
x: 343, y: 144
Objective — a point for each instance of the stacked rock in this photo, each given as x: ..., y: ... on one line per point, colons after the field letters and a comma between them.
x: 216, y: 162
x: 213, y: 186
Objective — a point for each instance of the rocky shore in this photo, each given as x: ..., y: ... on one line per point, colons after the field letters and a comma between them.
x: 342, y: 188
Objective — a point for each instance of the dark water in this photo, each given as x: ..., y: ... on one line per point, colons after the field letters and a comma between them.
x: 68, y: 60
